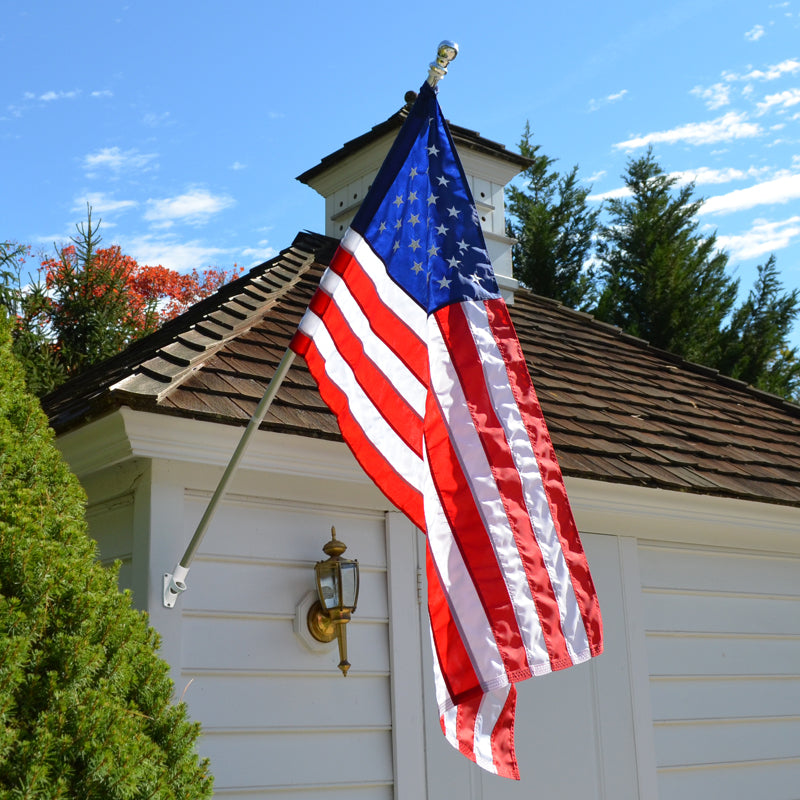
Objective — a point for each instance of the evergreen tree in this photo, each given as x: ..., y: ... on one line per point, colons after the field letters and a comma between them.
x: 662, y: 280
x: 755, y: 344
x: 27, y: 304
x: 554, y: 228
x: 85, y: 701
x: 90, y: 309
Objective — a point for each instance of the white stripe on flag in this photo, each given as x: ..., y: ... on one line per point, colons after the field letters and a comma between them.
x: 490, y: 710
x: 508, y: 412
x: 465, y: 605
x: 478, y: 472
x: 450, y: 724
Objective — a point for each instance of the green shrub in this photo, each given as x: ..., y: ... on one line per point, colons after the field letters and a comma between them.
x: 86, y: 705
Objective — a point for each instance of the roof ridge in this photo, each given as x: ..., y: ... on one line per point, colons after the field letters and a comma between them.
x: 153, y: 365
x: 462, y: 136
x: 176, y: 361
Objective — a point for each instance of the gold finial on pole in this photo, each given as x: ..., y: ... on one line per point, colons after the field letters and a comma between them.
x: 445, y: 53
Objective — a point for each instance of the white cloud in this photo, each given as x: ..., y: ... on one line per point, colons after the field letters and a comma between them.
x: 237, y: 165
x: 604, y: 101
x: 788, y: 67
x: 760, y: 173
x: 101, y: 203
x: 623, y: 191
x: 194, y: 207
x: 117, y: 160
x: 785, y: 99
x: 180, y: 256
x: 722, y: 129
x: 781, y: 189
x: 155, y: 120
x: 596, y: 177
x: 57, y: 239
x: 755, y: 33
x: 706, y: 175
x: 260, y: 253
x: 764, y: 237
x: 103, y: 93
x: 48, y: 97
x: 714, y: 96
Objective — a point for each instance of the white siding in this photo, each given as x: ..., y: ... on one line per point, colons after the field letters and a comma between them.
x: 110, y: 515
x: 696, y: 696
x: 277, y: 718
x: 723, y: 642
x: 111, y: 526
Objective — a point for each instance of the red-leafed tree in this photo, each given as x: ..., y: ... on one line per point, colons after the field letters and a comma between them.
x: 90, y: 303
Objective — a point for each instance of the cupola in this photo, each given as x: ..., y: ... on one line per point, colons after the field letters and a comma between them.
x: 345, y: 176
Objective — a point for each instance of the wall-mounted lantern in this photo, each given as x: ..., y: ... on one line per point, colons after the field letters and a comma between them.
x: 337, y: 592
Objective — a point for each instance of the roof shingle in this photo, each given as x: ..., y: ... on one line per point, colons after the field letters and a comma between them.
x: 617, y: 409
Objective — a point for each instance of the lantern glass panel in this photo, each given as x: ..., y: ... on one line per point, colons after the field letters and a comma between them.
x: 328, y: 587
x: 349, y: 578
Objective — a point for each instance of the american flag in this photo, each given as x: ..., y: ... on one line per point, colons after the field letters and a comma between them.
x: 413, y: 349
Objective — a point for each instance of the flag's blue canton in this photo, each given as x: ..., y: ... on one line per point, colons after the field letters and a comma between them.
x: 426, y: 229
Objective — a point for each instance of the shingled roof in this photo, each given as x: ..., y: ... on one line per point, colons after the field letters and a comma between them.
x: 618, y: 409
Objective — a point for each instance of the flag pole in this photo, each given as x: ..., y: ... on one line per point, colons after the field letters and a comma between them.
x: 175, y: 581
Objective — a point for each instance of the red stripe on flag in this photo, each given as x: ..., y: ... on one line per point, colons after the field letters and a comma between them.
x: 501, y: 740
x: 405, y: 422
x: 465, y: 725
x: 402, y: 340
x: 466, y: 361
x: 455, y: 664
x: 522, y: 387
x: 503, y: 752
x: 470, y: 536
x: 389, y: 481
x: 300, y: 342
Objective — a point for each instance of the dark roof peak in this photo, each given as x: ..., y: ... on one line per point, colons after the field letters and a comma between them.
x: 464, y: 138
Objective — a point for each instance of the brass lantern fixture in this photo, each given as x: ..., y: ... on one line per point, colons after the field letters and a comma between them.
x: 337, y: 595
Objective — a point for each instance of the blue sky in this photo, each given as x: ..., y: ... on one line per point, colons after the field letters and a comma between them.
x: 185, y: 125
